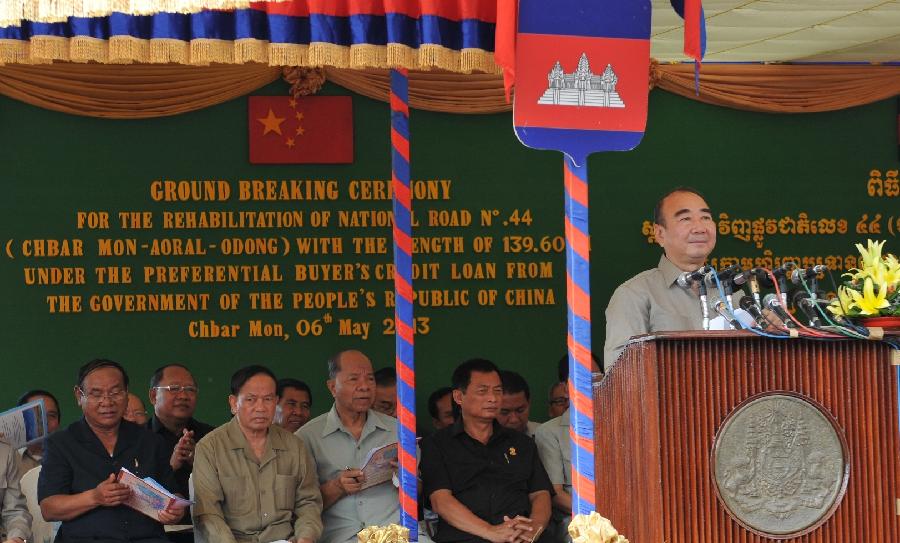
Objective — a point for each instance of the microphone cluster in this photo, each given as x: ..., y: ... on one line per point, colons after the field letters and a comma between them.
x: 775, y: 313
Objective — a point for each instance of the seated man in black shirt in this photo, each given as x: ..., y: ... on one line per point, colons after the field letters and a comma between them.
x: 485, y: 482
x: 77, y: 484
x: 173, y: 394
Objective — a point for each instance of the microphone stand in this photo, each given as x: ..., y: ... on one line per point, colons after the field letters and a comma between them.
x: 704, y: 304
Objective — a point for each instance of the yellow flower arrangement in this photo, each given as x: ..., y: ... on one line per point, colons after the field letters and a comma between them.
x: 872, y: 290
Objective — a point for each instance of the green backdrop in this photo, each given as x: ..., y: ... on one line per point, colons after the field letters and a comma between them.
x: 749, y: 165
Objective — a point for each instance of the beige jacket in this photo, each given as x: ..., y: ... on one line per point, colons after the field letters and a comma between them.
x: 241, y: 499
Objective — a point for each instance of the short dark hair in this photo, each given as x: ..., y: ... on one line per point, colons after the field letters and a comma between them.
x: 241, y: 376
x: 97, y: 364
x: 434, y: 398
x: 289, y: 382
x: 513, y: 383
x: 462, y: 375
x: 25, y: 398
x: 657, y: 210
x: 386, y: 377
x: 160, y: 371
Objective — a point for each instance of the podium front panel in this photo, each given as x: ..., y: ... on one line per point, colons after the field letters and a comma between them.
x: 660, y: 408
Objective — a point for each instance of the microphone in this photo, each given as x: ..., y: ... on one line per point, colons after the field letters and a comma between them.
x: 749, y: 305
x: 773, y: 303
x: 809, y: 308
x: 722, y: 309
x: 781, y: 273
x: 798, y: 275
x: 726, y: 278
x: 742, y: 278
x: 687, y: 279
x: 784, y: 269
x: 754, y: 286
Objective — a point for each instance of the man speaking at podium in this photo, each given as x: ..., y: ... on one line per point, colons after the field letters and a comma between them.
x: 652, y: 301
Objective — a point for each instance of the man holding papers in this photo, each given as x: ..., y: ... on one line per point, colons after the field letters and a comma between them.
x: 78, y: 483
x: 340, y: 441
x: 254, y: 481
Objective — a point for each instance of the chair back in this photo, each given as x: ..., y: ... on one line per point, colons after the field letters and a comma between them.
x: 41, y: 530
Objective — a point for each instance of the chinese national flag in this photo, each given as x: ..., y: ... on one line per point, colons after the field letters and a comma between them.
x: 308, y: 130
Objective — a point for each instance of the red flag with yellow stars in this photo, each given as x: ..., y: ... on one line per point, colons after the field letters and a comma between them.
x: 308, y: 130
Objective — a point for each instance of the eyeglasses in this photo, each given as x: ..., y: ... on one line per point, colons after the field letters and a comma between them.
x: 559, y: 401
x: 135, y: 414
x: 97, y: 396
x: 177, y: 389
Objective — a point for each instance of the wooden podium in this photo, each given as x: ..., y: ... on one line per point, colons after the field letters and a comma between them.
x: 660, y: 411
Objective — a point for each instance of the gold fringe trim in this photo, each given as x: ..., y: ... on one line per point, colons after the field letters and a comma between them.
x: 328, y: 54
x: 49, y: 48
x: 368, y: 56
x: 127, y: 49
x: 85, y: 49
x: 15, y: 52
x: 288, y: 54
x: 402, y: 55
x: 250, y: 50
x: 169, y: 51
x: 204, y: 52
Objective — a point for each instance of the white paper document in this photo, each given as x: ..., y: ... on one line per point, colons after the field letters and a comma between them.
x: 148, y: 496
x: 377, y: 465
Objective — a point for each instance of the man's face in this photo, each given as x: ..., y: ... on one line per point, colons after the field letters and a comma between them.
x: 353, y: 387
x: 295, y: 408
x: 179, y: 405
x: 559, y: 400
x: 481, y: 399
x: 51, y: 411
x: 444, y: 412
x: 103, y: 398
x: 514, y: 411
x: 386, y: 400
x: 688, y: 232
x: 135, y: 412
x: 254, y: 405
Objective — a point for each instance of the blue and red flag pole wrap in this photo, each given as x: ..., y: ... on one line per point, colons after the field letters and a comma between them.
x: 403, y: 309
x: 601, y: 40
x: 578, y: 298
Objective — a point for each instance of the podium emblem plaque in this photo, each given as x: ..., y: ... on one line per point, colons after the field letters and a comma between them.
x: 780, y: 464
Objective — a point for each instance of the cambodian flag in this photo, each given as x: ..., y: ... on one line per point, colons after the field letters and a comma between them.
x: 694, y: 27
x: 581, y: 75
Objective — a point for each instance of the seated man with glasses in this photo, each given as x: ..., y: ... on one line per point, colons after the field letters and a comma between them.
x: 173, y: 394
x: 77, y: 484
x: 254, y: 481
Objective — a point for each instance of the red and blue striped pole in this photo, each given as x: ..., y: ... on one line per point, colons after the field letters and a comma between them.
x: 403, y: 296
x: 578, y: 298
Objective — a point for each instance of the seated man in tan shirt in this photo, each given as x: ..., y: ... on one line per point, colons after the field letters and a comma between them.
x: 254, y: 481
